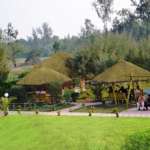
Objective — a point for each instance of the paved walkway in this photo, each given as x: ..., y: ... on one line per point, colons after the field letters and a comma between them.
x: 133, y: 112
x: 77, y: 106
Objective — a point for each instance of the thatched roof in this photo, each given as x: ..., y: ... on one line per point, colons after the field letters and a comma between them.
x: 57, y: 62
x: 123, y: 71
x: 41, y: 76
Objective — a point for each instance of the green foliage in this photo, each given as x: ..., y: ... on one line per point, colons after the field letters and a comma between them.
x: 5, y: 102
x: 14, y: 49
x: 55, y: 89
x: 138, y: 141
x: 88, y: 32
x: 19, y: 110
x: 19, y: 92
x: 88, y: 62
x: 56, y: 46
x: 87, y: 95
x: 4, y: 69
x: 68, y: 94
x: 104, y: 10
x: 115, y: 110
x: 135, y: 23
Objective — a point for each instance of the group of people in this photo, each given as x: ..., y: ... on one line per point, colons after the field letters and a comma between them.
x: 143, y: 101
x: 137, y: 94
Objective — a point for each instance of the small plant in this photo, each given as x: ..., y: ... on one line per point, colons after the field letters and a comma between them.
x: 5, y: 105
x: 19, y: 110
x: 58, y: 113
x: 116, y: 111
x: 87, y: 95
x: 6, y: 113
x: 90, y: 113
x: 92, y: 109
x: 67, y: 95
x: 36, y: 111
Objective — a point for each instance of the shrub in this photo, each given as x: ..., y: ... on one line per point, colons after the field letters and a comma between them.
x: 19, y: 109
x: 138, y: 141
x: 36, y: 111
x: 88, y: 94
x: 19, y: 92
x: 67, y: 96
x: 116, y: 111
x: 74, y: 96
x: 5, y: 102
x: 55, y: 90
x: 90, y: 113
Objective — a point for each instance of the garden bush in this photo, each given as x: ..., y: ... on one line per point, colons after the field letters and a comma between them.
x: 138, y: 141
x: 87, y: 95
x: 67, y: 96
x: 55, y: 89
x: 19, y: 92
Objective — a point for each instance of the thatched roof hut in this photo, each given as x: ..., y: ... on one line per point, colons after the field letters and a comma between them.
x: 57, y: 62
x: 123, y: 71
x: 41, y: 76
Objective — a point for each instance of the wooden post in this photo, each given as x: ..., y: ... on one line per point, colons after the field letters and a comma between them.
x: 129, y: 92
x: 114, y: 94
x: 133, y: 85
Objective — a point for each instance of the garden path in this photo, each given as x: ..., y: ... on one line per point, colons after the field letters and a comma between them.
x: 132, y: 112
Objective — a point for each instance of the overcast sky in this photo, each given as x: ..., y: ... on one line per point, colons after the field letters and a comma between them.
x: 64, y: 16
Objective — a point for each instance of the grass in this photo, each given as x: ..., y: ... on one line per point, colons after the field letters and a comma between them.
x: 67, y: 133
x: 102, y: 108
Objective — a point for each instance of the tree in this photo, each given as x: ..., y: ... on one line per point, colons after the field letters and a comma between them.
x: 40, y: 43
x: 123, y: 21
x: 88, y: 32
x: 88, y: 29
x: 142, y: 12
x: 33, y: 55
x: 56, y: 46
x: 47, y: 32
x: 55, y: 89
x: 11, y: 39
x: 104, y: 10
x: 4, y: 70
x: 14, y: 50
x: 3, y: 64
x: 1, y: 34
x: 86, y: 63
x: 129, y: 23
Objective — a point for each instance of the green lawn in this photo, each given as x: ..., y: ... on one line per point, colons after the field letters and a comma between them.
x: 67, y: 133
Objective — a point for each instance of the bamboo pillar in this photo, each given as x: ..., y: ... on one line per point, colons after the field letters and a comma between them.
x: 129, y: 92
x: 114, y: 94
x: 133, y: 85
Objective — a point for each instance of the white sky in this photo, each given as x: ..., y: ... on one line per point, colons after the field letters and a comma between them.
x: 64, y: 16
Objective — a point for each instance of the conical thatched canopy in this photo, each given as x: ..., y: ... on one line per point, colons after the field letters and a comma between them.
x: 41, y: 76
x: 123, y: 71
x: 57, y: 62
